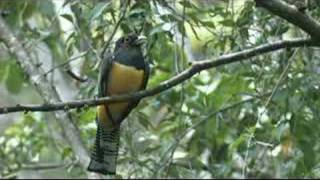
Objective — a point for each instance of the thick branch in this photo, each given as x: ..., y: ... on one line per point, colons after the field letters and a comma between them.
x: 195, y: 68
x: 293, y: 15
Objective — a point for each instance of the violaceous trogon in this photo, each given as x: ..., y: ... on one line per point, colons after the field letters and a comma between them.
x: 122, y: 72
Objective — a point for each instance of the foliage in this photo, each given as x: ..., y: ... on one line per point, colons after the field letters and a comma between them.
x: 203, y: 128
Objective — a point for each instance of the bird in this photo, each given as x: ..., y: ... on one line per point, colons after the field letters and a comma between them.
x: 124, y: 71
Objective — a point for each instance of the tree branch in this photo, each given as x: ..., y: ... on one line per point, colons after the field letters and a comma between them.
x: 293, y: 15
x: 195, y: 68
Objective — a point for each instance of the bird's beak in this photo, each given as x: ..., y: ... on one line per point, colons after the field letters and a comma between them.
x: 141, y: 39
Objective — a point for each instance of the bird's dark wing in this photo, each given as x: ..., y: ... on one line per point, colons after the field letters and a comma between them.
x: 105, y: 69
x: 146, y: 75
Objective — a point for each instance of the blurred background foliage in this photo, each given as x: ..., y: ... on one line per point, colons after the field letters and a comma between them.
x: 223, y: 122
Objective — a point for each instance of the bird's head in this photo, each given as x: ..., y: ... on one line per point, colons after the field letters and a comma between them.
x: 131, y: 40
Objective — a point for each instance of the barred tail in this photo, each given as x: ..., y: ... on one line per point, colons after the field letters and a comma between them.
x: 105, y: 152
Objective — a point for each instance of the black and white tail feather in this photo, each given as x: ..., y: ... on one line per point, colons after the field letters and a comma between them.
x: 105, y: 152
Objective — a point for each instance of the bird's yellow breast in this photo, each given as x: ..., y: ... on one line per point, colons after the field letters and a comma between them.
x: 122, y: 79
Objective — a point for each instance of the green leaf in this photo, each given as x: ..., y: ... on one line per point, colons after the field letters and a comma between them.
x: 170, y: 18
x: 246, y: 15
x: 209, y: 24
x: 187, y: 4
x: 181, y: 27
x: 67, y: 152
x: 156, y: 29
x: 98, y: 10
x: 4, y: 68
x: 14, y: 80
x: 67, y: 17
x: 227, y: 22
x: 46, y: 8
x: 136, y: 11
x: 88, y: 116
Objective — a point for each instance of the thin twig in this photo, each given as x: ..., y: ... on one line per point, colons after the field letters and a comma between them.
x: 276, y: 87
x: 76, y: 76
x: 38, y: 167
x: 65, y: 63
x: 244, y: 168
x: 264, y: 144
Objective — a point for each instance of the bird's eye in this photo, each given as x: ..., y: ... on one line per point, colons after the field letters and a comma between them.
x: 126, y: 39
